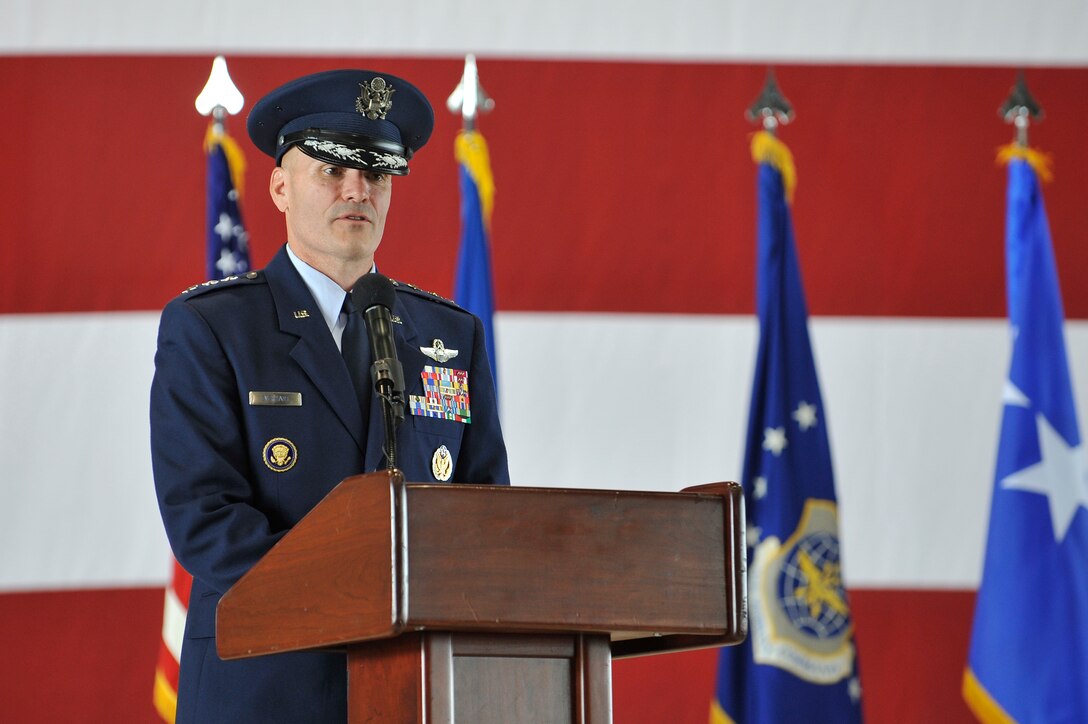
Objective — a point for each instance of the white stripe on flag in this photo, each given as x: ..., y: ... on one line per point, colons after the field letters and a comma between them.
x: 590, y: 400
x: 173, y: 623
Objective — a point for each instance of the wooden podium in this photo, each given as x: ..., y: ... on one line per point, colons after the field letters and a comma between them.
x: 491, y: 604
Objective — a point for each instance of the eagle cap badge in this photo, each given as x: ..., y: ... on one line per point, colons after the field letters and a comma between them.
x: 375, y: 98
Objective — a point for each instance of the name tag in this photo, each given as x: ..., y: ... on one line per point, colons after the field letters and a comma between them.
x: 276, y: 399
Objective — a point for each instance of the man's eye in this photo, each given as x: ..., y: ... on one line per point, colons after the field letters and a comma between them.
x: 331, y: 170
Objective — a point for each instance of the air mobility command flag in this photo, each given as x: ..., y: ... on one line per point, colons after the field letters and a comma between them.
x: 799, y: 662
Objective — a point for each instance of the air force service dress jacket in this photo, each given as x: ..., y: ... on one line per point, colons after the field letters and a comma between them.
x: 235, y: 470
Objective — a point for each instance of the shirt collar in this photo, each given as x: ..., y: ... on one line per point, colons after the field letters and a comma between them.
x: 327, y: 293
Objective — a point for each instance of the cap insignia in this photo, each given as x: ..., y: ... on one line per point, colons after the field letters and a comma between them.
x: 375, y: 98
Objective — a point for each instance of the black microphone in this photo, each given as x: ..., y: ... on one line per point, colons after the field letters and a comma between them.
x: 374, y: 296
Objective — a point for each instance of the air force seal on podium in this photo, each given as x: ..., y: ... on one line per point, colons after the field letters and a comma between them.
x: 801, y: 620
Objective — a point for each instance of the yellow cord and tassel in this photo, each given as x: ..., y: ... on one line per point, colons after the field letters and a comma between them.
x: 1038, y: 160
x: 236, y: 162
x: 766, y: 148
x: 470, y: 149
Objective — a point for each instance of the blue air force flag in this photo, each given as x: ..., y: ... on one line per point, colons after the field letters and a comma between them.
x: 1028, y: 660
x: 799, y: 662
x: 472, y: 286
x: 228, y: 243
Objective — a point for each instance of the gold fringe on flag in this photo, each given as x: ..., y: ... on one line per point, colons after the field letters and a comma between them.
x: 1038, y: 160
x: 980, y: 702
x: 165, y: 698
x: 718, y: 715
x: 768, y: 149
x: 236, y: 162
x: 470, y: 148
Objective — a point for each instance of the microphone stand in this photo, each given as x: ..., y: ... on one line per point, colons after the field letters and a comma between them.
x: 388, y: 378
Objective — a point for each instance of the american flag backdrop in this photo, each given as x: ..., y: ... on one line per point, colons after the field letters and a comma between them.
x: 624, y: 278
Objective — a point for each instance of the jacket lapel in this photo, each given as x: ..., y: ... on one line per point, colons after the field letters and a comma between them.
x: 315, y: 352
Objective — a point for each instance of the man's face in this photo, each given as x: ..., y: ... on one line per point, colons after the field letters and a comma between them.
x: 335, y: 215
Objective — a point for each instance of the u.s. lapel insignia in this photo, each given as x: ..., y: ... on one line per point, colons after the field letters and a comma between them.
x: 442, y: 464
x: 280, y: 454
x: 439, y: 352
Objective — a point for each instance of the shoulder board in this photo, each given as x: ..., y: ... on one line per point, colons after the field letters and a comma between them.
x: 231, y: 281
x: 416, y: 291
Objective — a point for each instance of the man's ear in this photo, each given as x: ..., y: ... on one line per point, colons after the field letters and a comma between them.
x: 277, y: 188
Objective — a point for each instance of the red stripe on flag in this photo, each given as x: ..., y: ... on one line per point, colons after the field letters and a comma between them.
x: 62, y: 650
x: 620, y: 186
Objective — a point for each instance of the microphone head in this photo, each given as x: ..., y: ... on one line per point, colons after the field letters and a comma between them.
x: 373, y: 290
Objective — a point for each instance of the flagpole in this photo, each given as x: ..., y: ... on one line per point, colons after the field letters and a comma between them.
x: 799, y: 662
x: 218, y: 99
x: 472, y: 285
x: 1029, y: 639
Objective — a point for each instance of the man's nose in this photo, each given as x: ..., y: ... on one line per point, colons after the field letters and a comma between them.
x: 355, y: 186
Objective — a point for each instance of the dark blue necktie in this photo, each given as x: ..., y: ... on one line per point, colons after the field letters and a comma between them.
x: 356, y: 351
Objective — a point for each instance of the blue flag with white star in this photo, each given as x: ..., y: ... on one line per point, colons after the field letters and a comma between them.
x: 472, y: 286
x: 228, y: 243
x: 1028, y: 660
x: 799, y: 662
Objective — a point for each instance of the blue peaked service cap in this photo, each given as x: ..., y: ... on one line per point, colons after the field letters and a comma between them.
x: 355, y: 118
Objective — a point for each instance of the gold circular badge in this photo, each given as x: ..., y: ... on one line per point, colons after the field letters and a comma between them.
x: 280, y: 454
x: 442, y: 464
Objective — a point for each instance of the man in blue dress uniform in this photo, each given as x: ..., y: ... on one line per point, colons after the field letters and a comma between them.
x: 254, y: 415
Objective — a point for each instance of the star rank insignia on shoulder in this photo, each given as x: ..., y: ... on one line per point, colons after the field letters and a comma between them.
x: 218, y: 283
x: 413, y: 289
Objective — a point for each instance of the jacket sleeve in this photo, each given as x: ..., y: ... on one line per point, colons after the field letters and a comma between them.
x: 483, y: 452
x: 202, y: 474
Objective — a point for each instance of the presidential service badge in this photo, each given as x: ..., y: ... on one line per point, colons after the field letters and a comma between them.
x: 375, y: 98
x: 280, y: 454
x: 442, y: 464
x: 445, y: 395
x: 800, y: 618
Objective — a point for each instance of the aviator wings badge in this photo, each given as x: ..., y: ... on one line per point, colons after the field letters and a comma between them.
x: 439, y: 352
